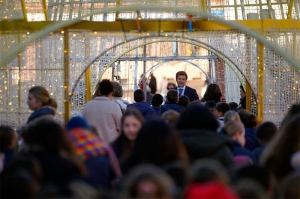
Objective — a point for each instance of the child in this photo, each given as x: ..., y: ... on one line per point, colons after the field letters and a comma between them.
x: 8, y: 141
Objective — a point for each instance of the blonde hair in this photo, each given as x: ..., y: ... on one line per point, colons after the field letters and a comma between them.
x: 232, y: 128
x: 42, y: 95
x: 232, y: 116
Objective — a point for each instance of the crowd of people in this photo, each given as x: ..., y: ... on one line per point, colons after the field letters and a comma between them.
x: 184, y: 148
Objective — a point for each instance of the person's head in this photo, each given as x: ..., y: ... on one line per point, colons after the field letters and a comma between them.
x: 170, y: 117
x: 265, y: 132
x: 197, y: 116
x: 292, y: 112
x: 181, y: 78
x: 222, y: 108
x: 232, y: 116
x: 171, y: 85
x: 242, y: 91
x: 8, y: 137
x: 207, y: 170
x: 157, y: 100
x: 172, y: 97
x: 38, y: 97
x: 51, y: 137
x: 213, y: 92
x: 132, y: 121
x: 77, y: 122
x: 147, y: 181
x: 139, y: 95
x: 256, y: 173
x: 276, y: 157
x: 248, y: 119
x: 118, y: 90
x: 184, y: 101
x: 155, y: 144
x: 235, y: 131
x: 233, y: 105
x: 290, y: 187
x: 211, y: 105
x: 106, y: 88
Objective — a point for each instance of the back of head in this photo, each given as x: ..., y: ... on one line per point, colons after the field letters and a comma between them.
x: 105, y: 87
x: 41, y: 95
x: 290, y: 188
x: 7, y: 137
x: 118, y: 90
x: 48, y: 135
x: 253, y: 172
x: 170, y: 116
x: 184, y: 101
x: 181, y: 73
x: 154, y: 144
x: 213, y: 92
x: 232, y: 116
x: 210, y: 104
x: 157, y: 100
x: 222, y: 107
x: 232, y: 128
x: 147, y: 181
x: 293, y: 111
x: 233, y: 105
x: 172, y: 96
x: 207, y: 170
x: 249, y: 119
x: 139, y: 95
x: 266, y: 131
x: 197, y: 116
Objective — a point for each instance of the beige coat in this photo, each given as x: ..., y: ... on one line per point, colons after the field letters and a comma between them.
x: 105, y: 115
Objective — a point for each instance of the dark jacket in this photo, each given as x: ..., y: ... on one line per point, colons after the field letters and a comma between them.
x: 8, y: 155
x: 157, y: 111
x: 239, y: 150
x: 251, y: 139
x: 175, y: 107
x: 145, y: 108
x: 42, y: 111
x: 257, y: 154
x: 191, y: 93
x: 201, y: 143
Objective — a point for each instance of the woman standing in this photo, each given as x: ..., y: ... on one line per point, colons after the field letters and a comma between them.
x: 132, y: 121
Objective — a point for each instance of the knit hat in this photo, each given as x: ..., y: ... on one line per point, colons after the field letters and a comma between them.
x: 211, y: 190
x: 77, y: 122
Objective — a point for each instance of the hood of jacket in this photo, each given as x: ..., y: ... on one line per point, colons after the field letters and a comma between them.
x: 144, y: 107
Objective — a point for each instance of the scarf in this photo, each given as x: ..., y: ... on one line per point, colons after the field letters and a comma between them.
x: 42, y: 111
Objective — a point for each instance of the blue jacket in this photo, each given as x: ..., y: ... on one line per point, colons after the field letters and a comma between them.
x: 157, y: 111
x: 251, y: 139
x: 146, y: 110
x: 238, y: 150
x: 257, y: 154
x: 175, y: 107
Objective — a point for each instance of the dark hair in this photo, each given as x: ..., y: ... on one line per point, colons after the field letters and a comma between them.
x: 169, y: 84
x: 139, y: 95
x: 222, y: 107
x: 52, y: 138
x: 213, y: 92
x: 157, y: 100
x: 233, y: 105
x: 7, y: 135
x: 105, y: 87
x: 122, y: 141
x: 277, y: 155
x: 266, y: 131
x: 292, y: 112
x: 253, y: 172
x: 210, y: 104
x: 184, y: 101
x: 154, y: 144
x: 42, y: 95
x: 181, y: 73
x: 172, y: 96
x: 248, y: 119
x: 197, y: 116
x: 118, y: 90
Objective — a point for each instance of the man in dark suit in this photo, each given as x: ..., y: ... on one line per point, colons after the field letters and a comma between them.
x: 183, y: 89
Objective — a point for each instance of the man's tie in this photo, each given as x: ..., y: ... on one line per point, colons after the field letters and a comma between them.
x: 180, y: 91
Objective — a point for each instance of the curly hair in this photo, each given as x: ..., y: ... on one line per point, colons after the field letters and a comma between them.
x: 118, y: 89
x: 213, y: 92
